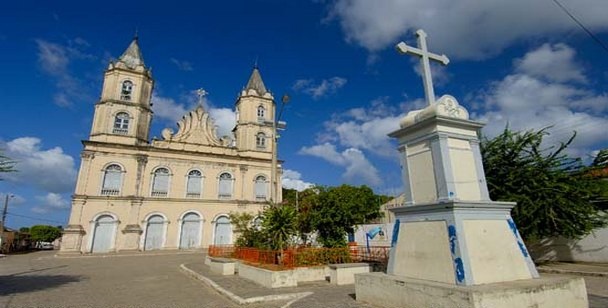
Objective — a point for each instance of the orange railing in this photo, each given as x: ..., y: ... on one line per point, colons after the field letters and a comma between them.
x: 302, y: 256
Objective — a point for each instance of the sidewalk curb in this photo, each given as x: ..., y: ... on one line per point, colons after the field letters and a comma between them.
x: 243, y: 301
x: 571, y: 272
x: 130, y: 254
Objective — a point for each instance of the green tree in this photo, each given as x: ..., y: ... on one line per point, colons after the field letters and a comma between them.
x: 279, y: 225
x: 6, y: 164
x: 553, y: 191
x: 336, y: 210
x: 24, y: 230
x: 44, y: 233
x: 247, y: 233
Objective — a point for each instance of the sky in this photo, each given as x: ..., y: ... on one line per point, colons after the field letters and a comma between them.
x: 519, y: 62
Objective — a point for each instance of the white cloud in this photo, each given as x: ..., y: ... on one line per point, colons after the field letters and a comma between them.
x: 359, y: 170
x: 224, y: 119
x: 551, y: 62
x: 365, y: 128
x: 51, y: 170
x: 293, y: 180
x: 54, y: 60
x: 168, y: 109
x: 182, y: 65
x: 324, y: 88
x: 530, y: 99
x: 50, y: 203
x: 469, y: 29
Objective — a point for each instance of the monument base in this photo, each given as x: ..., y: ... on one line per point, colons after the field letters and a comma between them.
x: 549, y: 291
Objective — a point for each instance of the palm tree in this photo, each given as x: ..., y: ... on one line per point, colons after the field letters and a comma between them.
x: 280, y: 225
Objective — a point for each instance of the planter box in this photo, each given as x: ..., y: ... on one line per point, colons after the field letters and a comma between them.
x: 341, y: 274
x: 268, y: 278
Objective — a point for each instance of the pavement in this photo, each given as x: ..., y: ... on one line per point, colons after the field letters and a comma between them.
x: 180, y: 279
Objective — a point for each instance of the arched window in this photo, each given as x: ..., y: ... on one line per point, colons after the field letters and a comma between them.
x: 121, y: 123
x: 160, y: 182
x: 111, y: 180
x: 225, y: 186
x: 261, y: 188
x: 261, y: 113
x: 223, y: 231
x: 194, y: 184
x: 127, y: 89
x: 260, y: 141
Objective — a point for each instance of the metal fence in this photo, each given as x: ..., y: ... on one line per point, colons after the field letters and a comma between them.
x: 303, y: 256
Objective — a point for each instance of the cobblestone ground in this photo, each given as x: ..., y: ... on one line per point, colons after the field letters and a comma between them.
x: 41, y: 280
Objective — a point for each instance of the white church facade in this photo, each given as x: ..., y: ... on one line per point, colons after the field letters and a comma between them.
x: 133, y: 193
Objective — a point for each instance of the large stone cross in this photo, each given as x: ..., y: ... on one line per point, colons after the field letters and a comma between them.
x: 425, y: 56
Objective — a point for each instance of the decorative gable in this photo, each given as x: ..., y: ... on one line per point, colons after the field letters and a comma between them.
x: 196, y: 127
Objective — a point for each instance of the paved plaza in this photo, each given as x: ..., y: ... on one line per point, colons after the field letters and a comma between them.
x: 39, y: 279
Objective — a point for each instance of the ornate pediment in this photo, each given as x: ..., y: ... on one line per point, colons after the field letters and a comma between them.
x: 195, y: 127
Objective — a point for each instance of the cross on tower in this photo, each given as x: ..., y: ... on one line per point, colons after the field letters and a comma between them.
x: 425, y: 56
x: 201, y: 94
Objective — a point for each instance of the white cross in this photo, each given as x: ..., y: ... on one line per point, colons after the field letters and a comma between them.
x: 201, y: 94
x: 425, y: 56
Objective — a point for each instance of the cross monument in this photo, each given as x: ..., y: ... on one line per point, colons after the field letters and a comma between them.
x: 425, y: 57
x: 452, y: 245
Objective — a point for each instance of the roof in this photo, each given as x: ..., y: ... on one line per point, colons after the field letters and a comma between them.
x: 256, y: 83
x: 132, y: 56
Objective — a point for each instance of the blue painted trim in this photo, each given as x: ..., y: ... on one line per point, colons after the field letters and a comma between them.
x: 395, y: 233
x: 455, y: 250
x: 521, y: 245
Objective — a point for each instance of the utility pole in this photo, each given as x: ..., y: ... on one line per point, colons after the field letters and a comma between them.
x: 2, y: 223
x: 277, y: 125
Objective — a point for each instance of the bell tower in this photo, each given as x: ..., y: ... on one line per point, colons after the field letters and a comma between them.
x: 123, y: 113
x: 255, y: 108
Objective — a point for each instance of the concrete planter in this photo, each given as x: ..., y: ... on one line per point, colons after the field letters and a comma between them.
x: 268, y: 278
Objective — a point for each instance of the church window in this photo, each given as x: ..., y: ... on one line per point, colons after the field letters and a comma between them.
x: 225, y: 186
x: 261, y: 113
x: 111, y: 180
x: 160, y: 182
x: 260, y: 140
x: 121, y: 123
x: 126, y: 91
x: 194, y: 184
x: 261, y: 188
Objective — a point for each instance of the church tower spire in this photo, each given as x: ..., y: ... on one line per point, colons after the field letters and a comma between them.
x: 255, y: 109
x: 123, y: 113
x: 255, y: 82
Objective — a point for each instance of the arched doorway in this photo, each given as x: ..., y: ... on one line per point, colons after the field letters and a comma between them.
x: 154, y: 233
x: 103, y: 234
x: 223, y: 231
x: 190, y: 232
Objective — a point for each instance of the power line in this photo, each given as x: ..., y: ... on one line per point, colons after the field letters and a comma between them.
x: 595, y: 38
x: 35, y: 218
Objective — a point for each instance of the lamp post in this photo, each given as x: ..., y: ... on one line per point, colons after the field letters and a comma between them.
x: 277, y: 125
x: 2, y: 223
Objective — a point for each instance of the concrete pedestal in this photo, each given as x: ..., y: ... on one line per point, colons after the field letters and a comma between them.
x: 551, y: 291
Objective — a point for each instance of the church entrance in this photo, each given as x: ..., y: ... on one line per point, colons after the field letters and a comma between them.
x: 223, y: 231
x: 190, y: 232
x: 103, y: 234
x: 154, y: 233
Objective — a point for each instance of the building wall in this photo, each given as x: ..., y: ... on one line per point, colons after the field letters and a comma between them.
x: 591, y: 248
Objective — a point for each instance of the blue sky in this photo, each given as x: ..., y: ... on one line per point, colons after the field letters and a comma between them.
x: 519, y: 62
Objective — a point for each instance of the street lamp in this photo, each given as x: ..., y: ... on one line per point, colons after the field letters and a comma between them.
x: 277, y: 124
x: 2, y: 223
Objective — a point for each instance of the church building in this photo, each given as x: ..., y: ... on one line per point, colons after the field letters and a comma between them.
x: 133, y: 193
